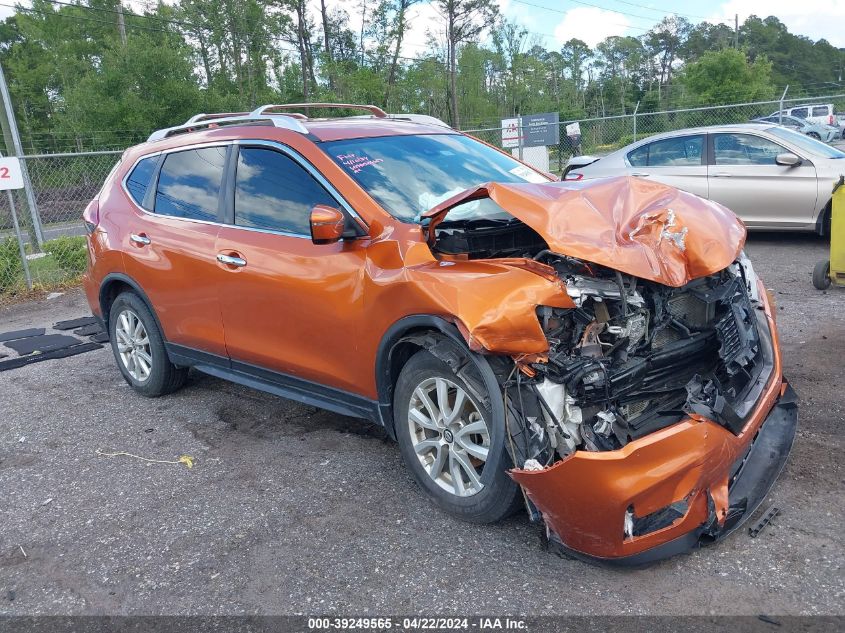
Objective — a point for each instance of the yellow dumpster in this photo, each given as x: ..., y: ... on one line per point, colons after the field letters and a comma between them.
x: 833, y: 269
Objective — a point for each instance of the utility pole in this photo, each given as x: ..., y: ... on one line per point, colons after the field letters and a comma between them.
x: 121, y: 25
x: 736, y: 30
x: 11, y: 126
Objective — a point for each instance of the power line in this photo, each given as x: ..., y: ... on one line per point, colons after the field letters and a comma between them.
x: 587, y: 4
x: 115, y: 11
x: 664, y: 11
x: 79, y: 17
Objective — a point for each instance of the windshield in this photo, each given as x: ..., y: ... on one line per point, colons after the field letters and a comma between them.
x: 408, y: 175
x: 809, y: 145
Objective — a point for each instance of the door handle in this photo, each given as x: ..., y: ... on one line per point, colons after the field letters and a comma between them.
x: 230, y: 260
x: 640, y: 174
x: 721, y: 174
x: 140, y: 240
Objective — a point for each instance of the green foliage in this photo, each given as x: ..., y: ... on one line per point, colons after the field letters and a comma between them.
x: 78, y: 84
x: 11, y: 267
x: 726, y: 76
x: 70, y: 253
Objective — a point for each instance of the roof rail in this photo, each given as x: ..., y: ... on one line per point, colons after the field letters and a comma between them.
x: 208, y: 117
x: 420, y: 118
x: 205, y: 121
x: 267, y: 115
x: 374, y: 110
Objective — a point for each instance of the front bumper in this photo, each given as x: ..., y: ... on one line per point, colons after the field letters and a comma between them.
x: 757, y: 473
x: 684, y: 486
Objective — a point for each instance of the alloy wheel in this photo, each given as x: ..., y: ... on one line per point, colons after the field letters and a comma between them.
x: 449, y: 435
x: 133, y: 345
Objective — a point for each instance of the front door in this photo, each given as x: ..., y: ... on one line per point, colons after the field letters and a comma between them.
x: 288, y: 305
x: 745, y: 177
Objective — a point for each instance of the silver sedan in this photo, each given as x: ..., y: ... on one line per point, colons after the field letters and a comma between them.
x: 772, y: 177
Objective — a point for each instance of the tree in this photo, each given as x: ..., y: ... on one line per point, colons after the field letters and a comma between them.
x: 400, y: 24
x: 727, y: 76
x: 464, y: 21
x: 665, y: 42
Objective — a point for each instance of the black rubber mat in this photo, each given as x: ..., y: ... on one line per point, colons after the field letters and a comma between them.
x: 89, y: 330
x: 102, y: 337
x: 26, y: 346
x: 11, y: 336
x: 14, y: 363
x: 74, y: 323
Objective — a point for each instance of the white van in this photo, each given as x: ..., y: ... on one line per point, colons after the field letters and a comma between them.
x: 815, y: 113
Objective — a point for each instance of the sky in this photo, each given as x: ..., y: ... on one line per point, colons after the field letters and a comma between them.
x: 554, y: 22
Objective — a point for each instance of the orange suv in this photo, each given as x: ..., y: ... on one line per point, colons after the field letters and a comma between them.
x: 601, y: 353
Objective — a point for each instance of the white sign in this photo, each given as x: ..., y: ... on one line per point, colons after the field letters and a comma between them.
x: 573, y: 129
x: 10, y: 174
x: 510, y: 133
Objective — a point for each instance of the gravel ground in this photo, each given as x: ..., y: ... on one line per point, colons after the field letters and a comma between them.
x: 289, y: 509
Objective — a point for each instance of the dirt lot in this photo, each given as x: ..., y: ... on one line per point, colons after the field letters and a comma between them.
x: 289, y: 509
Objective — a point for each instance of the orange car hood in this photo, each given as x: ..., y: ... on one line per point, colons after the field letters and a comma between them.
x: 639, y: 227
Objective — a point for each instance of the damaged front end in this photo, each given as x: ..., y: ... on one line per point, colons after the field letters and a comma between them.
x: 637, y: 428
x: 634, y: 357
x: 658, y: 419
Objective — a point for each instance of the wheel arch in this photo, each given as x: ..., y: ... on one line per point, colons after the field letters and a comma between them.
x: 823, y: 219
x: 413, y: 333
x: 112, y: 286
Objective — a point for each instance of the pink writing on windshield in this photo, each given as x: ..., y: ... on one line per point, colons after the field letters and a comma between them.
x: 356, y: 163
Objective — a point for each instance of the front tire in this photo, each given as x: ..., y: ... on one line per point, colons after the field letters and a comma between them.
x: 451, y: 443
x: 138, y: 347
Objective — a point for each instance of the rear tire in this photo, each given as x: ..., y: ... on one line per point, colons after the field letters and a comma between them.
x: 138, y: 347
x: 821, y: 275
x: 814, y: 135
x: 451, y: 443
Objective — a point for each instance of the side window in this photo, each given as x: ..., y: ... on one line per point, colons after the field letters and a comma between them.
x: 272, y: 191
x: 801, y: 113
x: 639, y: 157
x: 139, y: 179
x: 744, y: 149
x: 189, y: 183
x: 820, y: 111
x: 670, y: 152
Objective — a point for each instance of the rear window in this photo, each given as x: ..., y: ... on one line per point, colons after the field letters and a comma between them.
x: 139, y: 179
x: 678, y: 151
x: 189, y: 184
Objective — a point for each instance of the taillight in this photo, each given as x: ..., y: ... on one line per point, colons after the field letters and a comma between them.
x: 91, y: 216
x: 830, y: 119
x: 573, y: 175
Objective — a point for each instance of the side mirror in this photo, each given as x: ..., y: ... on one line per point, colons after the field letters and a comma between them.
x: 788, y: 159
x: 327, y: 224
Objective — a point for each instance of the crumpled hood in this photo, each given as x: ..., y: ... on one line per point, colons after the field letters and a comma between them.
x: 639, y: 227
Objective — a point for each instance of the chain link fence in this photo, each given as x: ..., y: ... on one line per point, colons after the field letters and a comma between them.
x: 42, y: 235
x: 602, y: 135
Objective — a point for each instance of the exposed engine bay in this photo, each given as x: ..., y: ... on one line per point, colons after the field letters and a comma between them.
x: 632, y: 357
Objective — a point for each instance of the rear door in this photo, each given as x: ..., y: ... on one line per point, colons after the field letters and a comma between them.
x: 288, y: 305
x: 170, y: 244
x: 678, y: 161
x: 745, y: 178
